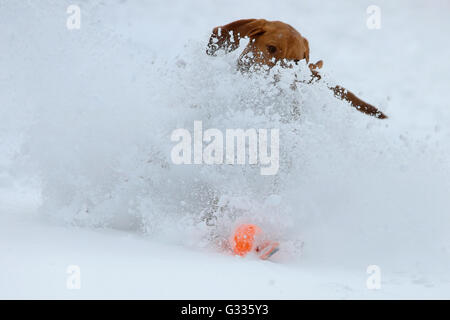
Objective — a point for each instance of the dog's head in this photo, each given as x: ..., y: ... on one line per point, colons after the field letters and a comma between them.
x: 270, y: 41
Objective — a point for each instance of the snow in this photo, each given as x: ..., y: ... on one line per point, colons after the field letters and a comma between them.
x: 123, y: 265
x: 86, y: 177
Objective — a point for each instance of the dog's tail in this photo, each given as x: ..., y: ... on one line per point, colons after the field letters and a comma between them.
x: 347, y: 95
x: 357, y: 103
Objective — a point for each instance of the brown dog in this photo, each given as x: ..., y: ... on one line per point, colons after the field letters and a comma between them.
x: 273, y: 41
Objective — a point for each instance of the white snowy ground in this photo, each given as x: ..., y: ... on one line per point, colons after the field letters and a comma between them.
x: 120, y: 265
x: 83, y: 110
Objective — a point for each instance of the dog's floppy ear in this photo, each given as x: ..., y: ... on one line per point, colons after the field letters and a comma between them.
x: 228, y: 36
x: 306, y: 49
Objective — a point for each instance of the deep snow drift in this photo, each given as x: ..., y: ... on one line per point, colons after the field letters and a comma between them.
x: 86, y: 176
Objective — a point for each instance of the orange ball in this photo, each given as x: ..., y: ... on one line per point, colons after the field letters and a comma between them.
x: 244, y: 237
